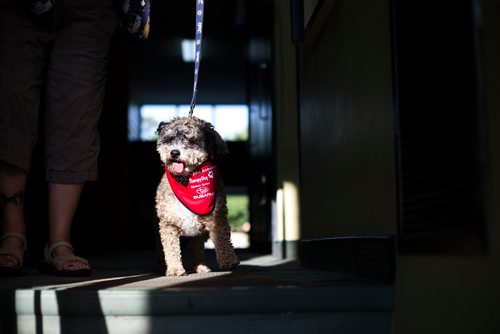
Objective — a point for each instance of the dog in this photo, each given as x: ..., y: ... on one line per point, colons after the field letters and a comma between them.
x: 190, y: 199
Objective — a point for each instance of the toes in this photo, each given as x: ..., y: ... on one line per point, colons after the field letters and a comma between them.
x: 201, y: 268
x: 8, y: 261
x: 62, y: 251
x: 76, y: 266
x: 176, y: 272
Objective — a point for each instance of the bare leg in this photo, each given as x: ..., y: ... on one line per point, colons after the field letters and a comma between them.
x: 12, y: 186
x: 63, y: 201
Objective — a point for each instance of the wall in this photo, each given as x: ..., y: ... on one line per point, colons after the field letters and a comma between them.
x: 445, y: 294
x: 347, y: 166
x: 286, y: 223
x: 347, y: 140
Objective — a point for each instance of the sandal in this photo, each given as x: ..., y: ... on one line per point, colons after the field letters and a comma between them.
x: 54, y: 265
x: 17, y: 253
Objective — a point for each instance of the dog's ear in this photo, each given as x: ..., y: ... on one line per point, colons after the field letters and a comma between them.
x: 218, y: 147
x: 160, y: 126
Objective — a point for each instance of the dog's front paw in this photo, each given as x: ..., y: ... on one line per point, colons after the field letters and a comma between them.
x: 175, y: 272
x: 229, y: 265
x: 201, y: 268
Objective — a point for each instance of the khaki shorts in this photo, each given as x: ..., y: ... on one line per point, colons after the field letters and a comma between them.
x: 52, y: 74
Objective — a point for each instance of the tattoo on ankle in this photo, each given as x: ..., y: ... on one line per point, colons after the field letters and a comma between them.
x: 16, y: 199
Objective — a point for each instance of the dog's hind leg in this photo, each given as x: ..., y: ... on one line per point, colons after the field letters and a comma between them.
x: 170, y: 239
x: 220, y: 234
x: 197, y: 252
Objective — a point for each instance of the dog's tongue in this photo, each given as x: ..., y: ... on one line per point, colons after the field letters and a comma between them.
x: 178, y: 167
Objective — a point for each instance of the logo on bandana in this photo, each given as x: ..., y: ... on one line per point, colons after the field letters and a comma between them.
x: 198, y: 195
x: 202, y: 190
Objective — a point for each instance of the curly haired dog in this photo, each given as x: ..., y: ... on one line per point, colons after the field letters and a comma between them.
x: 190, y: 199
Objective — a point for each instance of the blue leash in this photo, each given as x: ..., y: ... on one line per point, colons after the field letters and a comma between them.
x: 200, y: 8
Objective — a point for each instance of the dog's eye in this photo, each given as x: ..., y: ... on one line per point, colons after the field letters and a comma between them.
x: 168, y: 139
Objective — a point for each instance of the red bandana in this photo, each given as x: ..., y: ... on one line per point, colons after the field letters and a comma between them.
x: 198, y: 195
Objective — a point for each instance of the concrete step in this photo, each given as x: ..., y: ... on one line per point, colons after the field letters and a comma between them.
x: 263, y: 296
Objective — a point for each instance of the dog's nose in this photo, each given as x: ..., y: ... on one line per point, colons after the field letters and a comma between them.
x: 175, y: 154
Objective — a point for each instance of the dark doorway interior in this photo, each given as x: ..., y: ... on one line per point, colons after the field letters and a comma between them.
x: 117, y: 211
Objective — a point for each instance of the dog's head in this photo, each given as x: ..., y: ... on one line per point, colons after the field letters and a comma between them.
x: 185, y: 143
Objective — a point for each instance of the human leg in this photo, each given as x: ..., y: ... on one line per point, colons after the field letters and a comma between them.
x: 12, y: 185
x: 22, y: 41
x: 63, y: 202
x: 75, y: 91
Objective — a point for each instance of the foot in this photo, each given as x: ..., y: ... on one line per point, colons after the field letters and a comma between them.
x: 227, y: 260
x: 12, y: 247
x: 67, y: 251
x: 61, y: 260
x: 229, y: 265
x: 201, y: 268
x: 8, y: 260
x: 175, y: 272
